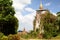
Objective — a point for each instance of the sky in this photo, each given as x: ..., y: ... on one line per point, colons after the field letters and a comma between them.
x: 26, y: 11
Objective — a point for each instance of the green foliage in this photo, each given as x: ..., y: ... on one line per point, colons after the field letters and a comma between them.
x: 13, y: 37
x: 1, y: 35
x: 30, y: 35
x: 34, y: 34
x: 9, y: 37
x: 8, y: 22
x: 58, y: 14
x: 50, y: 27
x: 4, y: 38
x: 25, y: 36
x: 47, y: 35
x: 58, y: 20
x: 6, y: 7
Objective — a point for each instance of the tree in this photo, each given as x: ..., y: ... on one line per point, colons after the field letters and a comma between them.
x: 8, y: 22
x: 58, y: 20
x: 49, y: 22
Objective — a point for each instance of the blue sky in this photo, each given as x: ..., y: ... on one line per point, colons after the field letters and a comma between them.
x: 26, y: 11
x: 52, y: 5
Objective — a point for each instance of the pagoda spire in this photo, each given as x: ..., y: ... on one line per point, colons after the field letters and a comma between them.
x: 41, y: 5
x: 24, y: 29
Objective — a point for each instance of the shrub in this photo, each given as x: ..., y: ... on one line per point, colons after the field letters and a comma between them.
x: 13, y: 37
x: 47, y: 35
x: 1, y: 35
x: 4, y: 38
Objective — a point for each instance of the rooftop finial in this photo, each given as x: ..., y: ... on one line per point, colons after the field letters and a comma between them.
x: 41, y: 6
x: 24, y: 29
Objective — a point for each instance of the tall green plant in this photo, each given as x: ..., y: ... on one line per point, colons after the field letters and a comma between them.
x: 58, y: 20
x: 8, y: 22
x: 49, y: 23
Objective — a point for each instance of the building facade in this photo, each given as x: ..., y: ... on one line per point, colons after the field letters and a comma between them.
x: 37, y: 21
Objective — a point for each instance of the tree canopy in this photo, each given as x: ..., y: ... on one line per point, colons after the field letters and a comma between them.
x: 8, y: 22
x: 50, y: 26
x: 58, y: 20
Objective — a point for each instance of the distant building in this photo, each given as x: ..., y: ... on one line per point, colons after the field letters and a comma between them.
x: 24, y: 32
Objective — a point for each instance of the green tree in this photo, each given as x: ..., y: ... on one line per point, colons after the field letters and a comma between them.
x: 49, y: 23
x: 8, y: 22
x: 58, y: 20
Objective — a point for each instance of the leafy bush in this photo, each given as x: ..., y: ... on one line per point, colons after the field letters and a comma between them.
x: 13, y: 37
x: 25, y: 36
x: 50, y: 31
x: 1, y: 35
x: 4, y: 38
x: 47, y: 35
x: 9, y: 37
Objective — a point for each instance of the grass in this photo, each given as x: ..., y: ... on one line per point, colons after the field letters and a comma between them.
x: 53, y: 38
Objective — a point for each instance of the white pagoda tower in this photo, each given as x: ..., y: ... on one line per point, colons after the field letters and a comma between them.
x: 37, y: 20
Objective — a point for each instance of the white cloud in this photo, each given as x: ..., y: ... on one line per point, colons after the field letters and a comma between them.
x: 20, y: 4
x: 25, y: 1
x: 53, y: 13
x: 48, y: 4
x: 29, y: 9
x: 27, y: 20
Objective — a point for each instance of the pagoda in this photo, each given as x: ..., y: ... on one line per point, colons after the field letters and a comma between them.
x: 37, y: 21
